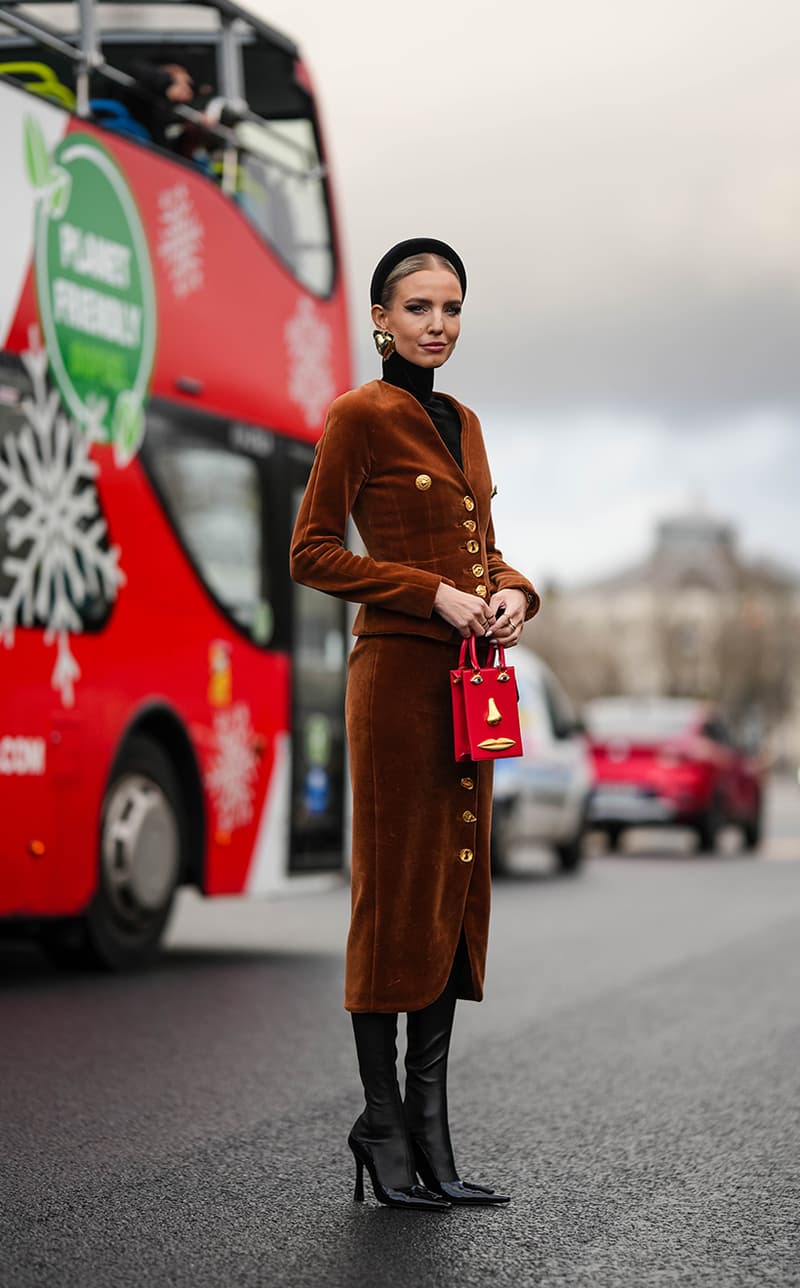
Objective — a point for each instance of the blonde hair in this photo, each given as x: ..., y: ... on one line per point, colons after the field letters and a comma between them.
x: 412, y: 264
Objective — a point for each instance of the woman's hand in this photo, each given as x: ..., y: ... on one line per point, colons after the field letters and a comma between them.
x: 508, y: 624
x: 469, y: 614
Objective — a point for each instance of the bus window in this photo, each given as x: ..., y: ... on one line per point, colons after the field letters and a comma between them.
x: 281, y: 190
x: 282, y: 182
x: 319, y: 659
x: 215, y: 499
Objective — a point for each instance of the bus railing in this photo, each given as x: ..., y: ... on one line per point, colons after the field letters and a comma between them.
x: 88, y: 58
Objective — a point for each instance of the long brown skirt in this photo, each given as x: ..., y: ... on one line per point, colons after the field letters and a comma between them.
x: 421, y: 830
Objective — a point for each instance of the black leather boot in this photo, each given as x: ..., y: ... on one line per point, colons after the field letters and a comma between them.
x: 429, y: 1033
x: 379, y: 1138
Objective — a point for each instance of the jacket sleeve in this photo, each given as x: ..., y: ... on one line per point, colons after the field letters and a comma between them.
x: 503, y: 577
x: 319, y: 558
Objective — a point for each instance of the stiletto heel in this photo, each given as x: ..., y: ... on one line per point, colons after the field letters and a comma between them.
x: 410, y: 1196
x: 358, y: 1196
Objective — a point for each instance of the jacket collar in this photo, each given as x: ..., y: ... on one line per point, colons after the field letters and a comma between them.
x: 413, y: 407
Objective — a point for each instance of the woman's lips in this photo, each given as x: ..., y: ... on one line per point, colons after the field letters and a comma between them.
x: 434, y: 348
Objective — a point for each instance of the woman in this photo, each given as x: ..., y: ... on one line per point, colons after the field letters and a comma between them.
x: 410, y: 467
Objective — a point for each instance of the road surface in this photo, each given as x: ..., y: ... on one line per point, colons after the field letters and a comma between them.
x: 633, y: 1079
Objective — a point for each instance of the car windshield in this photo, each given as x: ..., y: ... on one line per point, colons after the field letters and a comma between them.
x: 639, y: 720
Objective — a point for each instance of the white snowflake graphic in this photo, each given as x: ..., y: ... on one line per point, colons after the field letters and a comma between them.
x: 232, y: 777
x: 309, y: 341
x: 180, y: 240
x: 55, y: 534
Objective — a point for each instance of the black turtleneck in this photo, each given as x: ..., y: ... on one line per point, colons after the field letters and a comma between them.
x: 418, y: 381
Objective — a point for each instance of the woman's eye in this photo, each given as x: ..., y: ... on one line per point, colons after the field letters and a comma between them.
x: 454, y: 309
x: 415, y: 308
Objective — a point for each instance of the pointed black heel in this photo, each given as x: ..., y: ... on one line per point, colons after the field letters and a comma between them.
x: 425, y: 1107
x: 407, y: 1196
x: 463, y: 1193
x: 379, y: 1137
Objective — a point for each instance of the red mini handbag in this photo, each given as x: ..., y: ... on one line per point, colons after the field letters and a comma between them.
x: 485, y: 706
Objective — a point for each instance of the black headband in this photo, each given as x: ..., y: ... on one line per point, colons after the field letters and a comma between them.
x: 405, y: 249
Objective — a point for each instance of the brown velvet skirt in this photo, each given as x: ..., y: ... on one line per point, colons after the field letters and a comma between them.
x: 421, y: 830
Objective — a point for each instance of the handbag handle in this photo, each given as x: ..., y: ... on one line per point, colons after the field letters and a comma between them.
x: 471, y: 644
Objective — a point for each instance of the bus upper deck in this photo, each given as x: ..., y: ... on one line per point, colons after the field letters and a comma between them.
x: 250, y: 125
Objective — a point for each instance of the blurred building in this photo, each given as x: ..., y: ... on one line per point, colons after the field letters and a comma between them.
x: 693, y: 619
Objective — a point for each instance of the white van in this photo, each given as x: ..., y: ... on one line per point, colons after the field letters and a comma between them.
x: 541, y: 798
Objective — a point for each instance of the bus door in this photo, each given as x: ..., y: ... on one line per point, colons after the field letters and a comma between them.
x: 319, y: 671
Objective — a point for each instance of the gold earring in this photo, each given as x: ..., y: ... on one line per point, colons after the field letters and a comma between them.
x: 384, y: 343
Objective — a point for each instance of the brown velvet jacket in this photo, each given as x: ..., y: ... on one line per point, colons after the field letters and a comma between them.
x: 421, y: 518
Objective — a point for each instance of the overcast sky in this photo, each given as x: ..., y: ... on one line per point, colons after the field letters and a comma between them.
x: 622, y: 179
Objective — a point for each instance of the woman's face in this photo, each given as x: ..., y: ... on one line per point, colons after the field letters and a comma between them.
x: 181, y: 89
x: 424, y: 316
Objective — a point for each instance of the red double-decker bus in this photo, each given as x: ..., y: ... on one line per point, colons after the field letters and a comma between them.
x: 172, y: 328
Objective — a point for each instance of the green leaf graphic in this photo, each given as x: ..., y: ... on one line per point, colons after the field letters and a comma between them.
x: 37, y: 158
x: 127, y: 429
x: 59, y: 190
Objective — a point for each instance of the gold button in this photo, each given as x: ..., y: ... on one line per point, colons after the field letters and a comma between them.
x: 466, y: 856
x: 481, y: 590
x: 469, y: 524
x: 473, y: 546
x: 469, y: 504
x: 468, y: 783
x: 477, y: 570
x: 423, y: 482
x: 469, y: 817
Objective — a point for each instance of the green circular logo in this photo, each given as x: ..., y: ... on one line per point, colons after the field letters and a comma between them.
x: 94, y: 285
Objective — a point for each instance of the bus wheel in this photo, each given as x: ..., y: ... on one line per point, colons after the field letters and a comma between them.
x: 142, y: 846
x: 141, y: 851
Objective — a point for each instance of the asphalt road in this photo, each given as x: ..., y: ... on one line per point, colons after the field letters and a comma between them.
x: 632, y: 1078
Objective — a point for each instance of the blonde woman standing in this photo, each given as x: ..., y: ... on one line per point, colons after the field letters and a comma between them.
x: 410, y: 466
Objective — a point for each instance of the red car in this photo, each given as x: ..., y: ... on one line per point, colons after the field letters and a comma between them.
x: 670, y: 762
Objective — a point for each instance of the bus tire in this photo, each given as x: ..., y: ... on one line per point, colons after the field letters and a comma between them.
x: 142, y: 857
x: 142, y: 853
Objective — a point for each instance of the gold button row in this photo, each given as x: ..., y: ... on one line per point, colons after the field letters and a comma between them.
x: 474, y: 546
